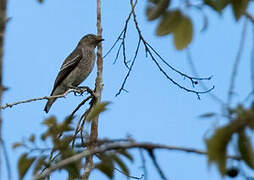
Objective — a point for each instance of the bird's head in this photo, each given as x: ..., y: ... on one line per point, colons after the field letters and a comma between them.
x: 90, y: 40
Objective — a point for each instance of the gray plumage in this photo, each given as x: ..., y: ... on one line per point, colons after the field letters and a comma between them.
x: 76, y: 67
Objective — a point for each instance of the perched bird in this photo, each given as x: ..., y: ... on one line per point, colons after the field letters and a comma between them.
x: 76, y: 67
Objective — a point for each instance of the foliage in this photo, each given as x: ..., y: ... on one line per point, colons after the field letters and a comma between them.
x: 218, y: 143
x: 171, y: 21
x: 99, y: 108
x: 60, y: 135
x: 177, y: 21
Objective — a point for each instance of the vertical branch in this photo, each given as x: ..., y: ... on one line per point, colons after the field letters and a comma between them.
x: 252, y: 61
x: 236, y: 65
x: 98, y: 90
x: 3, y: 19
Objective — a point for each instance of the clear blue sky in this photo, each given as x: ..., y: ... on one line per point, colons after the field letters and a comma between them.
x: 40, y: 36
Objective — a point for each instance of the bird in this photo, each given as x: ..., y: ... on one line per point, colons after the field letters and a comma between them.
x: 76, y: 67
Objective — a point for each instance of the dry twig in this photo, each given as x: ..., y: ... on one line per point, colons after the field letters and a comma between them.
x: 41, y: 98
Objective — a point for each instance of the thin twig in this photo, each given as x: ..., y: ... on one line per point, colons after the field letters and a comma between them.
x: 149, y: 50
x: 80, y: 105
x: 143, y: 160
x: 39, y: 98
x: 122, y: 32
x: 129, y: 176
x: 236, y: 65
x: 156, y: 164
x: 129, y: 71
x: 194, y: 70
x: 72, y: 114
x: 7, y: 161
x: 249, y: 16
x: 250, y: 94
x: 179, y: 72
x: 252, y: 61
x: 115, y: 146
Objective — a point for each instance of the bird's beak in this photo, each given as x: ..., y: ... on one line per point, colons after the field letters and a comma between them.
x: 100, y: 40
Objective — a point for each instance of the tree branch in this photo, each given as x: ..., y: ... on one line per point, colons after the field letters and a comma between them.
x: 236, y: 65
x: 150, y: 50
x: 3, y: 20
x: 249, y: 16
x: 114, y: 146
x: 98, y: 90
x: 195, y: 73
x: 153, y: 55
x: 42, y: 98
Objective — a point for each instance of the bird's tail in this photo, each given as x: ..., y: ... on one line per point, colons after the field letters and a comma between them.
x: 49, y: 104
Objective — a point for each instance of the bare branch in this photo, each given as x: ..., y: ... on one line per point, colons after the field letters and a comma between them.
x: 143, y: 160
x: 129, y: 71
x: 249, y: 16
x: 7, y: 159
x: 194, y: 70
x: 192, y: 79
x: 156, y: 164
x: 252, y: 62
x: 123, y: 31
x: 236, y: 64
x: 3, y: 21
x: 151, y: 51
x: 98, y: 90
x: 42, y: 98
x: 80, y: 105
x: 128, y: 176
x: 72, y: 114
x: 115, y: 146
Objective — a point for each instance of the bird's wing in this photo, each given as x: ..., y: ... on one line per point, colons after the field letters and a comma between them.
x: 68, y: 65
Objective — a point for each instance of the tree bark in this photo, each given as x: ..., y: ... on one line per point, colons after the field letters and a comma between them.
x: 98, y: 91
x: 3, y: 20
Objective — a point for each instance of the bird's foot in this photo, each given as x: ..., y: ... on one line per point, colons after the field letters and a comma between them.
x: 78, y: 91
x: 81, y: 89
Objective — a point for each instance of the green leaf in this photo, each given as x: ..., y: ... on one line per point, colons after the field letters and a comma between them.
x: 51, y: 121
x: 106, y: 167
x: 183, y: 33
x: 39, y: 164
x: 217, y: 5
x: 239, y: 7
x: 154, y: 1
x: 73, y: 170
x: 65, y: 126
x: 64, y: 142
x: 178, y: 24
x: 24, y: 164
x: 153, y: 12
x: 45, y: 135
x: 16, y: 145
x: 217, y: 147
x: 169, y: 22
x: 126, y: 154
x: 120, y: 163
x: 99, y: 108
x: 245, y: 149
x: 32, y: 138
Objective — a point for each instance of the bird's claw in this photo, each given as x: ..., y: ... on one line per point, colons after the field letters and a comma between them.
x: 78, y: 92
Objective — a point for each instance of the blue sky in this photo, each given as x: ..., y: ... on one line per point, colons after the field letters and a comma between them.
x: 40, y: 36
